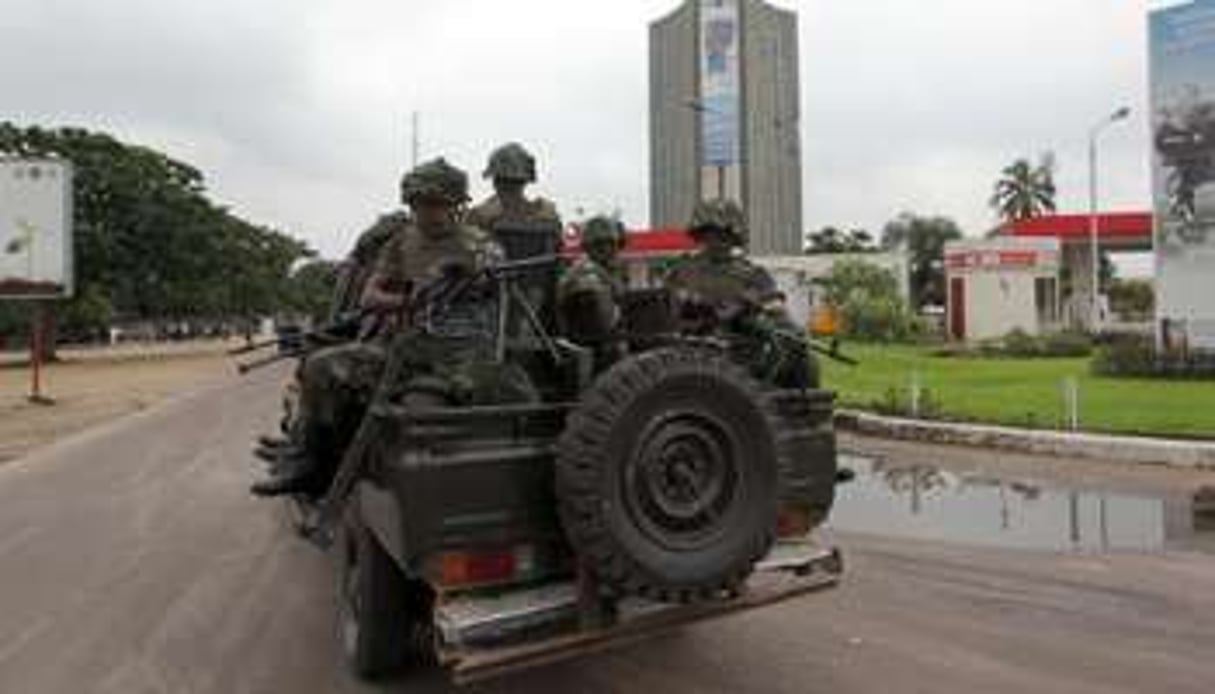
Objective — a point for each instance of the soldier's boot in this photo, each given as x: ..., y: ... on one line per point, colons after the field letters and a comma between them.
x: 272, y: 442
x: 273, y: 454
x: 296, y: 474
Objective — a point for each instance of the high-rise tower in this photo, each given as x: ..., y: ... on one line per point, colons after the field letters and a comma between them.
x: 725, y: 117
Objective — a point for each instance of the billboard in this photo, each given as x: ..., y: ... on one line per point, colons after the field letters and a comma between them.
x: 721, y: 82
x: 1182, y: 48
x: 35, y: 229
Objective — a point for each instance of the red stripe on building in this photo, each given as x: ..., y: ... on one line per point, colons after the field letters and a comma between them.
x: 643, y: 242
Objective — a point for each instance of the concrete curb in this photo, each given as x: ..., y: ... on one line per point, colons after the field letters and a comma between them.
x: 1117, y: 449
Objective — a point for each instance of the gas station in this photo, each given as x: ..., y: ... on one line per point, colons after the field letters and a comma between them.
x: 1116, y: 232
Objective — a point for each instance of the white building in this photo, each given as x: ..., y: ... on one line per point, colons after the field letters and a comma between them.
x: 798, y: 277
x: 999, y: 285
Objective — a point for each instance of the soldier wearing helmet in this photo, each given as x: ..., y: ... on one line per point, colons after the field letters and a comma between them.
x: 512, y: 168
x: 718, y: 291
x: 336, y: 384
x: 588, y: 294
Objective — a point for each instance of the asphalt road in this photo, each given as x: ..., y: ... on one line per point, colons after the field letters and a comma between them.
x: 133, y: 560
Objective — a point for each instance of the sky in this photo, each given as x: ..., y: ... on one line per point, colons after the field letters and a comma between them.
x: 299, y: 111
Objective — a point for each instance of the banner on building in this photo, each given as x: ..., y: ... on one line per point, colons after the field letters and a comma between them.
x: 1183, y: 125
x: 721, y: 82
x: 35, y: 229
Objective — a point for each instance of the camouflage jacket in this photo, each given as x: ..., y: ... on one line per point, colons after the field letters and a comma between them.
x: 493, y: 211
x: 587, y: 276
x: 356, y: 269
x: 588, y: 310
x: 413, y: 257
x: 702, y: 279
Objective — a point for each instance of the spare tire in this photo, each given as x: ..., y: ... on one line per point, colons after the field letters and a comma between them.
x: 668, y: 476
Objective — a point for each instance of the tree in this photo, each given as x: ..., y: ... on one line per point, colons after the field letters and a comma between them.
x: 1025, y: 190
x: 831, y: 240
x: 312, y: 287
x: 924, y: 239
x: 867, y: 300
x: 150, y: 245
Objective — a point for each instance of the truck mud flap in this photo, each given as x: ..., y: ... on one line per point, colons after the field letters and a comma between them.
x: 475, y: 633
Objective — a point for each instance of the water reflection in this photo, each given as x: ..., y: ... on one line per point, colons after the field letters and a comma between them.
x: 929, y: 503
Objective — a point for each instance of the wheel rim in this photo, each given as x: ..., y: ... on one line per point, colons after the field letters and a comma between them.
x: 350, y: 600
x: 682, y: 480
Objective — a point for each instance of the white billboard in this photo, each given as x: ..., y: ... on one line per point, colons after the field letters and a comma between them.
x: 35, y: 229
x: 1183, y: 122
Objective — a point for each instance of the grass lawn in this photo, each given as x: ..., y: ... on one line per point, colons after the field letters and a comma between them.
x: 1022, y: 392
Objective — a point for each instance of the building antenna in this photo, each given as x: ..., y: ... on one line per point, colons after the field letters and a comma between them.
x: 414, y: 136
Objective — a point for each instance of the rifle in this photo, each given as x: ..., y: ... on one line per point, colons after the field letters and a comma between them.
x: 749, y: 314
x: 341, y: 330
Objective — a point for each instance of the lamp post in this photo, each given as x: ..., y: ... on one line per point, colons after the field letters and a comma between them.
x: 1093, y: 222
x: 699, y: 107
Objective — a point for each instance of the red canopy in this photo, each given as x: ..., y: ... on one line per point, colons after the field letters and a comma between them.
x: 1122, y: 229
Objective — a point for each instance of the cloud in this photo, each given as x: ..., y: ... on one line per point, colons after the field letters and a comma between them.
x: 299, y: 110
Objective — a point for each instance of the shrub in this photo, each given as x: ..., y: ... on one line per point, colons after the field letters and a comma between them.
x: 1126, y: 355
x: 1068, y: 344
x: 866, y: 298
x: 1019, y: 343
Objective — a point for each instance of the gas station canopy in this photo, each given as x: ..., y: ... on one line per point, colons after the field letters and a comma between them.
x: 1119, y: 231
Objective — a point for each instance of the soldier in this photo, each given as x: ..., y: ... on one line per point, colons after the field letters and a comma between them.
x: 719, y: 292
x: 338, y: 383
x: 512, y: 168
x: 356, y: 269
x: 341, y: 322
x: 588, y: 294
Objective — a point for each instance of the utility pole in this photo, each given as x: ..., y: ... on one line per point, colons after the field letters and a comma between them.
x: 1093, y: 220
x: 414, y: 137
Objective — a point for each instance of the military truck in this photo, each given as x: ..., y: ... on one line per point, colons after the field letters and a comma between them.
x: 670, y: 488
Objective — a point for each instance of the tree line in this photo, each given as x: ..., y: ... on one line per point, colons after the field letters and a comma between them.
x: 152, y: 247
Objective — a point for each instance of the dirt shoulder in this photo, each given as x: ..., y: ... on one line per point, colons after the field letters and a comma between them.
x: 92, y: 387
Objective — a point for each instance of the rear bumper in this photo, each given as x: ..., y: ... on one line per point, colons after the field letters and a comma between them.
x: 484, y: 637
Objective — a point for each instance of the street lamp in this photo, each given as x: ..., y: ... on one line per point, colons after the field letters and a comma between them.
x: 1093, y: 223
x: 701, y: 108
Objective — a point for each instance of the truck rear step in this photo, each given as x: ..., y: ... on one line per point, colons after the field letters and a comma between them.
x: 484, y: 637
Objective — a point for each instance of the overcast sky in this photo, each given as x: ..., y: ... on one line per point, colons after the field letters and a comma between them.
x: 298, y: 110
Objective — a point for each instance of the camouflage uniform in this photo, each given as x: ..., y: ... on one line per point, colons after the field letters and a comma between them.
x: 512, y: 168
x: 441, y: 356
x: 359, y: 264
x: 338, y: 383
x: 719, y: 292
x: 494, y: 212
x: 589, y: 292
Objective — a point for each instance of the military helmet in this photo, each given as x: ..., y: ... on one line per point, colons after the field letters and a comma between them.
x: 511, y: 162
x: 723, y: 215
x: 603, y: 229
x: 435, y: 180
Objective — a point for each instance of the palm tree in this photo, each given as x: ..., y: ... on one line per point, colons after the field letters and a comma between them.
x: 1024, y: 190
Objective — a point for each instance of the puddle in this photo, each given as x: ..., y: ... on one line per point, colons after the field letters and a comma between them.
x: 930, y: 504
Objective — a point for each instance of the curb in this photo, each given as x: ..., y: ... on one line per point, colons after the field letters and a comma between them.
x: 1117, y: 449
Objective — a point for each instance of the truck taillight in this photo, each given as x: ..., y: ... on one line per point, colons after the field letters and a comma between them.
x: 793, y: 520
x: 474, y: 569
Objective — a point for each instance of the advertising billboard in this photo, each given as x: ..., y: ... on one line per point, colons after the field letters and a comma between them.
x: 721, y: 82
x: 35, y: 229
x: 1182, y: 41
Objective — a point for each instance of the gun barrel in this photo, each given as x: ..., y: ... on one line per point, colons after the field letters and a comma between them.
x: 268, y: 361
x: 253, y: 347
